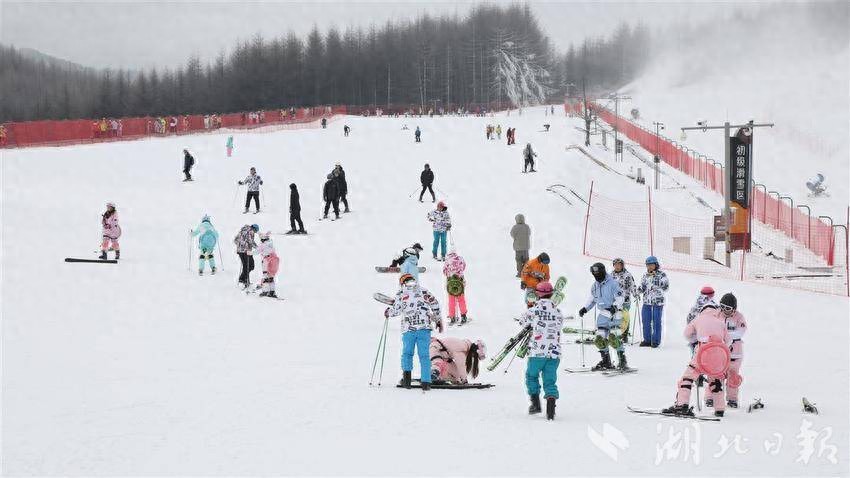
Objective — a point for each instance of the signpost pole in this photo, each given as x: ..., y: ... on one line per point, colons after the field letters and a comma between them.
x: 727, y: 211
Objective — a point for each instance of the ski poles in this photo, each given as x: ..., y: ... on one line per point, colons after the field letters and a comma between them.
x: 414, y: 192
x: 220, y: 256
x: 235, y: 194
x: 637, y: 315
x: 189, y: 251
x: 382, y: 348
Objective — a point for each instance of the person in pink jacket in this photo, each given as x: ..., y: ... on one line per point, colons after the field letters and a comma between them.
x: 736, y: 325
x: 709, y: 326
x: 111, y: 232
x: 453, y: 359
x: 455, y: 286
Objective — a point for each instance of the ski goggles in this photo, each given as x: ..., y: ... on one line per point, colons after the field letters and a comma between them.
x: 726, y: 309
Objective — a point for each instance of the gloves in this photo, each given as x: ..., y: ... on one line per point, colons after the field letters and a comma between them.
x: 440, y: 325
x: 387, y: 313
x: 613, y: 310
x: 522, y: 285
x: 581, y: 312
x: 239, y: 182
x: 538, y: 275
x: 449, y: 227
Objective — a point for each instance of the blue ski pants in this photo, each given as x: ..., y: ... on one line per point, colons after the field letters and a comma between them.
x: 549, y: 368
x: 421, y: 340
x: 652, y: 323
x: 439, y: 239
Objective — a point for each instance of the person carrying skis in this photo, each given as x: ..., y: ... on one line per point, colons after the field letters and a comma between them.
x: 627, y: 285
x: 270, y: 262
x: 454, y: 359
x: 544, y: 349
x: 229, y: 146
x: 206, y: 244
x: 418, y: 135
x: 254, y: 182
x: 245, y: 246
x: 426, y: 177
x: 188, y: 162
x: 535, y: 271
x: 441, y: 223
x: 330, y: 193
x: 607, y: 297
x: 521, y: 234
x: 295, y: 211
x: 528, y: 154
x: 736, y: 325
x: 709, y: 326
x: 453, y: 270
x: 111, y: 232
x: 339, y: 175
x: 653, y: 285
x: 418, y: 309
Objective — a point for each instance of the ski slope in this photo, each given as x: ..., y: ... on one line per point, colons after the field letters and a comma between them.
x: 144, y: 368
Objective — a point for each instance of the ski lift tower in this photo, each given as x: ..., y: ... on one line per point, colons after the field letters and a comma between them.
x: 617, y: 97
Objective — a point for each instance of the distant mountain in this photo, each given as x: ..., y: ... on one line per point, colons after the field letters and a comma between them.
x: 35, y: 55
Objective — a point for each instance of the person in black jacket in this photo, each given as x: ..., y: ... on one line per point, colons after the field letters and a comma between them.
x: 295, y: 211
x: 427, y: 179
x: 339, y: 175
x: 188, y: 162
x: 331, y: 195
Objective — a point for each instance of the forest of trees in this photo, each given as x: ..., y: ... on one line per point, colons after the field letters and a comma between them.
x: 494, y: 55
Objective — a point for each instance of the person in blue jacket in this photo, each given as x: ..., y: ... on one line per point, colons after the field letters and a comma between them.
x: 410, y: 266
x: 206, y: 243
x: 607, y: 296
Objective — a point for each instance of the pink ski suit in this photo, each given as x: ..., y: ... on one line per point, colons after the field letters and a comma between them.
x: 455, y: 265
x: 709, y: 323
x: 737, y: 327
x: 111, y: 231
x: 448, y: 356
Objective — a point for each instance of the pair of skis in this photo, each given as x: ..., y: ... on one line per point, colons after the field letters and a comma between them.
x: 612, y: 372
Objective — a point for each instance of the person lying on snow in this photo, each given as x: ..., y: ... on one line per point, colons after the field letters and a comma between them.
x: 454, y: 359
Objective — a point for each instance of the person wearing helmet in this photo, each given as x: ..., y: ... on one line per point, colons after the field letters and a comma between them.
x: 206, y: 244
x: 426, y: 177
x: 413, y: 250
x: 330, y: 194
x: 417, y: 308
x: 254, y: 181
x: 544, y: 349
x: 441, y: 222
x: 188, y: 162
x: 737, y: 327
x: 627, y: 285
x: 111, y: 232
x: 653, y: 285
x: 270, y: 262
x: 535, y: 271
x: 521, y: 234
x: 454, y: 359
x: 453, y: 270
x: 245, y: 246
x: 704, y: 299
x: 607, y: 297
x: 528, y: 154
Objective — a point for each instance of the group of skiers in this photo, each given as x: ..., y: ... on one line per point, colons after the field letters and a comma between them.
x: 335, y: 191
x: 246, y: 248
x: 490, y: 130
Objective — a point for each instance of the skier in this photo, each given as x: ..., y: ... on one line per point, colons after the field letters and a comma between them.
x: 708, y: 326
x: 245, y: 246
x: 521, y: 234
x: 295, y: 211
x: 535, y: 271
x: 330, y: 193
x: 206, y: 244
x: 607, y: 297
x: 627, y: 285
x: 652, y: 286
x: 453, y: 269
x: 324, y: 123
x: 111, y: 232
x: 413, y: 250
x: 454, y: 359
x: 346, y: 130
x: 188, y: 162
x: 253, y: 181
x: 418, y: 135
x: 271, y: 262
x: 736, y: 325
x: 342, y: 185
x: 418, y: 309
x: 441, y: 223
x: 528, y: 154
x: 509, y: 135
x: 229, y: 146
x: 499, y: 131
x: 544, y: 349
x: 426, y: 177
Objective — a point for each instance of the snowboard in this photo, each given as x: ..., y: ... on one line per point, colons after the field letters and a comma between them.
x: 650, y: 411
x: 383, y: 298
x: 394, y: 269
x: 92, y: 261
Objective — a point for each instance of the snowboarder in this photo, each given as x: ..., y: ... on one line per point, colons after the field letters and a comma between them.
x: 418, y: 309
x: 454, y: 359
x: 521, y: 234
x: 346, y: 130
x: 245, y: 246
x: 418, y: 135
x: 426, y: 177
x: 342, y: 185
x: 736, y: 325
x: 607, y: 297
x: 271, y: 262
x: 295, y: 211
x: 330, y: 193
x: 544, y: 349
x: 627, y: 285
x: 254, y: 182
x: 535, y: 271
x: 707, y: 329
x: 111, y: 232
x: 453, y: 270
x: 441, y: 223
x: 413, y: 250
x: 188, y: 162
x: 652, y: 286
x: 206, y: 244
x: 229, y: 146
x: 528, y: 154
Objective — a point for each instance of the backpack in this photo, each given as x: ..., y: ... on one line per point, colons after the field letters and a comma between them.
x: 454, y: 285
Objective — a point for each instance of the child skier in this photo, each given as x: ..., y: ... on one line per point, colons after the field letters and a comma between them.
x: 704, y: 299
x: 254, y: 181
x: 455, y: 286
x: 418, y: 135
x: 418, y: 309
x: 736, y: 325
x: 453, y: 359
x: 270, y: 265
x: 229, y: 146
x: 653, y: 285
x: 206, y: 244
x: 627, y: 285
x: 111, y: 232
x: 607, y: 297
x: 544, y: 350
x: 442, y: 223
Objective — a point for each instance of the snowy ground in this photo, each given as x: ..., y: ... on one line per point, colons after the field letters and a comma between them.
x: 144, y: 368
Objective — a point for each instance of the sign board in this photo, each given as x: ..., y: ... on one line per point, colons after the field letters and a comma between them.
x: 719, y: 228
x: 739, y: 180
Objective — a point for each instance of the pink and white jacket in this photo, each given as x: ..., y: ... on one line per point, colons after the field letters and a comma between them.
x: 710, y: 322
x: 270, y: 259
x: 455, y: 265
x: 448, y: 355
x: 736, y: 325
x: 111, y: 229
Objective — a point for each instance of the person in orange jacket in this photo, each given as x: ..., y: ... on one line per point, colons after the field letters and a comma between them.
x: 535, y: 271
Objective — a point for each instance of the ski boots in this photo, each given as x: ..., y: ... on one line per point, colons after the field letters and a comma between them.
x: 435, y: 256
x: 718, y: 413
x: 426, y: 386
x: 117, y: 255
x: 302, y: 231
x: 550, y: 408
x: 644, y: 343
x: 405, y: 380
x: 605, y: 363
x: 732, y: 403
x: 102, y: 255
x: 272, y: 295
x: 213, y: 271
x: 463, y: 319
x: 200, y: 272
x: 683, y: 410
x: 290, y: 232
x: 264, y: 294
x: 535, y: 405
x: 452, y: 321
x: 709, y: 402
x: 245, y: 211
x: 622, y: 364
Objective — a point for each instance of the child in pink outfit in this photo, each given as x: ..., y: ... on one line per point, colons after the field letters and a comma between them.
x: 455, y: 287
x: 111, y: 232
x: 736, y: 325
x: 452, y: 359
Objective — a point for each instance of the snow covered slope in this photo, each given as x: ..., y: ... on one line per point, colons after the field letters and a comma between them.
x: 144, y: 368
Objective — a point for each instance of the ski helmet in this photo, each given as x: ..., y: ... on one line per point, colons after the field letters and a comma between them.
x: 729, y: 303
x: 544, y: 289
x: 441, y: 206
x: 255, y: 227
x: 652, y: 260
x: 264, y: 236
x: 707, y: 290
x: 544, y: 258
x: 407, y: 279
x: 598, y: 271
x: 417, y: 246
x: 110, y: 205
x: 206, y: 218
